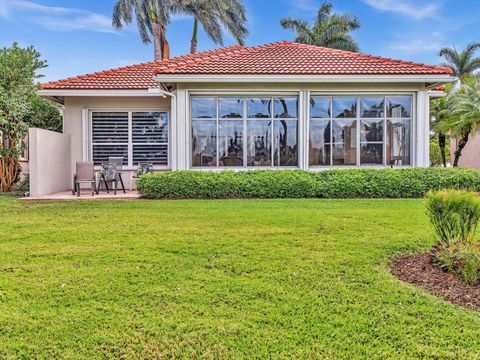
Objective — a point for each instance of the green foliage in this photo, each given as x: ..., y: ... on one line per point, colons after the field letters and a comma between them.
x: 337, y: 183
x: 463, y: 63
x: 329, y: 30
x: 18, y: 72
x: 460, y: 260
x: 454, y: 215
x: 44, y: 115
x: 435, y: 153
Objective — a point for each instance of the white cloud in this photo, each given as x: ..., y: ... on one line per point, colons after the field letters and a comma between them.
x: 406, y: 8
x: 415, y: 44
x: 57, y: 18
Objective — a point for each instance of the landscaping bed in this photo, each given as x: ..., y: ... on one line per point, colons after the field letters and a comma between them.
x: 419, y: 269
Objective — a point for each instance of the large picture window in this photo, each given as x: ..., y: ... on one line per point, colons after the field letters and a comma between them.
x: 135, y: 136
x: 244, y: 131
x: 365, y: 130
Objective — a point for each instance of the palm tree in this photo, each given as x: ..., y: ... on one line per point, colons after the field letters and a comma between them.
x: 152, y: 18
x: 213, y: 14
x: 463, y: 63
x: 464, y: 117
x: 329, y: 30
x: 439, y: 112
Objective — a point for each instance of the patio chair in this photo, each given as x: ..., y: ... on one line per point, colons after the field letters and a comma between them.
x: 144, y: 168
x: 84, y: 174
x: 112, y: 172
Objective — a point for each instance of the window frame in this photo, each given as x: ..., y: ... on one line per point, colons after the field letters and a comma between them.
x: 130, y: 165
x: 245, y: 119
x: 358, y: 119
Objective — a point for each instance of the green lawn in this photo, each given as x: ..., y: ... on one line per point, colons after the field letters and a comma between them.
x: 220, y: 279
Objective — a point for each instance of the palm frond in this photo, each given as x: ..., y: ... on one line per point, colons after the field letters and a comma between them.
x: 329, y: 30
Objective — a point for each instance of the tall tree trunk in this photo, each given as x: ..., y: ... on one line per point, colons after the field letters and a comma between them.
x: 461, y: 144
x: 442, y: 141
x: 9, y: 165
x: 164, y: 42
x: 157, y: 42
x: 193, y: 46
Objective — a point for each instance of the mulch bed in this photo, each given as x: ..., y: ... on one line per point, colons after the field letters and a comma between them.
x: 419, y: 270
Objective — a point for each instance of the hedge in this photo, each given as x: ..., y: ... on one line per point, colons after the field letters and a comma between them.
x: 335, y: 183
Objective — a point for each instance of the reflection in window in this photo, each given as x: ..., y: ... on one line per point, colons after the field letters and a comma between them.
x: 285, y: 108
x: 371, y: 130
x: 259, y: 143
x: 271, y: 127
x: 259, y: 108
x: 230, y: 143
x: 344, y: 139
x: 398, y: 142
x: 344, y: 107
x: 384, y: 136
x: 372, y: 107
x: 319, y: 148
x: 230, y: 108
x: 204, y: 143
x: 204, y: 108
x: 399, y: 107
x: 371, y: 154
x: 320, y: 107
x: 285, y: 146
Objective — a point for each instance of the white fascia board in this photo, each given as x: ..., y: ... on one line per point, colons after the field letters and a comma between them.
x: 146, y: 92
x: 305, y: 78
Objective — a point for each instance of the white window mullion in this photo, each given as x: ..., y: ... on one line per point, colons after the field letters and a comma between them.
x: 385, y: 131
x: 331, y: 131
x: 130, y: 145
x: 358, y: 133
x: 245, y: 130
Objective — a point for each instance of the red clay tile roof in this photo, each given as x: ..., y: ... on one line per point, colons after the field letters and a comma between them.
x: 282, y: 58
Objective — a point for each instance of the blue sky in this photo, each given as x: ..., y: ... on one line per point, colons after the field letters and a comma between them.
x: 76, y: 37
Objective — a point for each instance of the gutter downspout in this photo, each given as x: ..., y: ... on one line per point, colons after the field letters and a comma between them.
x: 173, y: 121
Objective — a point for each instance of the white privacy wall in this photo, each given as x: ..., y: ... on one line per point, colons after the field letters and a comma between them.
x: 49, y: 162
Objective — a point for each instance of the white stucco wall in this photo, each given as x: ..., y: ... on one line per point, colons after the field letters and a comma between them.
x: 470, y: 153
x: 49, y: 165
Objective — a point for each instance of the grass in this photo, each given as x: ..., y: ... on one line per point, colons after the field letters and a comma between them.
x: 220, y: 279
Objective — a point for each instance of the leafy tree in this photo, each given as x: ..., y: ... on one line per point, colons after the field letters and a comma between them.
x: 463, y: 116
x: 329, y: 30
x: 152, y: 18
x: 213, y: 15
x: 462, y: 63
x: 18, y: 72
x: 44, y: 115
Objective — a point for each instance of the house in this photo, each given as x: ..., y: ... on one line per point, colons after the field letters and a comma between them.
x: 281, y: 105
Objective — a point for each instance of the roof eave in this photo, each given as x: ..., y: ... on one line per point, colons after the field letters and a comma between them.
x: 98, y: 92
x: 198, y: 78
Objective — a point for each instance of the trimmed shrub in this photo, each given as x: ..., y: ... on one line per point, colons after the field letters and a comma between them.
x: 460, y: 260
x: 454, y: 215
x: 335, y: 184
